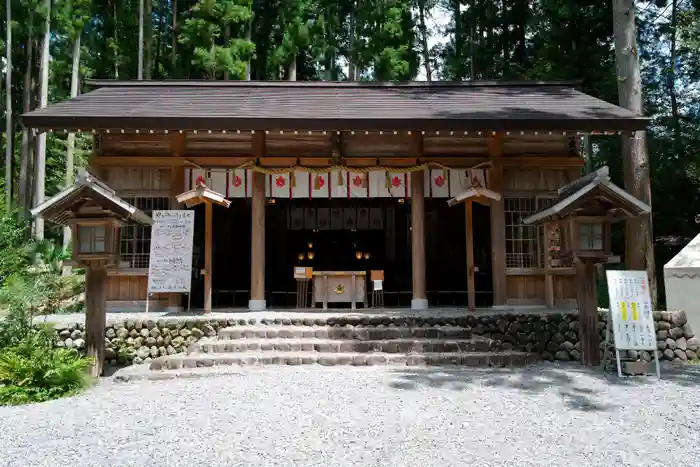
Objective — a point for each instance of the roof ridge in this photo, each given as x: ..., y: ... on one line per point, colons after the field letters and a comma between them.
x: 328, y: 84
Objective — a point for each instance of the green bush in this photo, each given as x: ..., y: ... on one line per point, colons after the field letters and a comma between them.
x: 34, y: 371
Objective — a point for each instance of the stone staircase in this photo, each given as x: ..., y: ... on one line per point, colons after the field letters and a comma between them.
x: 358, y: 342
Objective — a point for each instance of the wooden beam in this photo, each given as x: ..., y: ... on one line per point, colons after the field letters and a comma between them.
x: 420, y: 300
x: 471, y: 293
x: 498, y: 219
x: 257, y: 247
x: 177, y: 144
x: 588, y: 313
x: 110, y: 160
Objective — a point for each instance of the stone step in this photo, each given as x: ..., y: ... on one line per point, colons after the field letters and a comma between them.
x: 474, y: 359
x: 345, y: 332
x: 392, y: 346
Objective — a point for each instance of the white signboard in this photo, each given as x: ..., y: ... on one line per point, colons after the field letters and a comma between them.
x: 170, y: 268
x: 630, y: 310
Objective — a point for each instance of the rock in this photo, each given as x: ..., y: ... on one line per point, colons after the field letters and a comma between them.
x: 675, y: 333
x: 567, y: 346
x: 209, y: 330
x: 160, y: 341
x: 76, y: 334
x: 633, y: 354
x: 644, y: 355
x: 682, y: 343
x: 167, y: 340
x: 185, y: 332
x: 79, y: 344
x: 664, y: 326
x: 110, y: 353
x: 155, y: 332
x: 60, y: 344
x: 679, y: 318
x: 69, y: 343
x: 154, y: 351
x: 547, y: 356
x: 196, y: 332
x: 693, y: 344
x: 562, y: 355
x: 691, y: 355
x: 64, y: 334
x: 669, y: 355
x: 130, y: 341
x: 150, y: 324
x: 138, y: 360
x: 129, y: 324
x: 174, y: 332
x: 133, y: 333
x: 666, y: 316
x: 662, y: 335
x: 144, y: 332
x: 178, y: 341
x: 171, y: 350
x: 688, y: 331
x: 150, y: 341
x: 138, y: 342
x: 671, y: 344
x: 661, y: 344
x: 552, y: 346
x: 162, y: 351
x: 680, y: 354
x: 575, y: 355
x: 143, y: 352
x: 110, y: 333
x: 138, y: 325
x: 657, y: 315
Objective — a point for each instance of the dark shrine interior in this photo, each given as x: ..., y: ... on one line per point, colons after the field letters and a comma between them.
x: 344, y: 235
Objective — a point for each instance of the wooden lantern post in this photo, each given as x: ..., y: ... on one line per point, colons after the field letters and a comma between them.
x: 203, y: 195
x: 95, y: 215
x: 475, y: 194
x: 585, y: 209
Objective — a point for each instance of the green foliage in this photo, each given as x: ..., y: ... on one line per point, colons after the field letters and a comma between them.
x: 13, y: 243
x: 34, y: 371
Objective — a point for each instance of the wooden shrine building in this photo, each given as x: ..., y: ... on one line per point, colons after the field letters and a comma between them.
x: 346, y: 178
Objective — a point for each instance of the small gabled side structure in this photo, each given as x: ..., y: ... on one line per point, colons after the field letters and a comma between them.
x: 202, y: 194
x: 581, y: 217
x: 95, y: 215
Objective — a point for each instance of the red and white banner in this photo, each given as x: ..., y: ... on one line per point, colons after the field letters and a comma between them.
x: 237, y: 183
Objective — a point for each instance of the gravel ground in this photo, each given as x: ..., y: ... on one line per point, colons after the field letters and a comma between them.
x: 381, y: 416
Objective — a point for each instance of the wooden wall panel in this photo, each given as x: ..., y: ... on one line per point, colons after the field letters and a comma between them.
x: 301, y: 144
x: 446, y: 144
x: 218, y: 143
x: 529, y: 287
x: 537, y: 179
x: 541, y: 144
x: 126, y: 288
x: 135, y: 144
x: 564, y: 287
x: 130, y: 181
x: 374, y: 144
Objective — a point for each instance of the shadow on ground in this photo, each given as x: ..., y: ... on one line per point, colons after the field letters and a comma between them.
x: 573, y: 383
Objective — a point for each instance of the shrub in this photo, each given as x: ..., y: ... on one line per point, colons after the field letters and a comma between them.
x: 34, y: 371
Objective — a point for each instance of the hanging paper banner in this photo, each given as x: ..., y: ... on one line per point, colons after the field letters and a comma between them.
x: 439, y: 186
x: 300, y: 185
x: 359, y: 185
x: 239, y: 185
x: 280, y: 186
x: 340, y: 184
x: 320, y: 184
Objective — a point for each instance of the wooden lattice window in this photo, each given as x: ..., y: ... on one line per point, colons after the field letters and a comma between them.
x: 525, y: 244
x: 136, y: 238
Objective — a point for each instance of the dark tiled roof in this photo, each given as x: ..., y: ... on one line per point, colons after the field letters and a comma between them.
x: 218, y: 105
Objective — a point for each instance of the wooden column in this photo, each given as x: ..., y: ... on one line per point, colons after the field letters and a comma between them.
x: 257, y: 247
x: 588, y: 313
x: 548, y: 279
x: 208, y: 246
x: 420, y: 301
x: 471, y: 293
x: 498, y: 225
x: 95, y: 318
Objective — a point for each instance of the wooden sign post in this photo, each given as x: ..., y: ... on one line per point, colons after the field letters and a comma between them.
x: 203, y: 195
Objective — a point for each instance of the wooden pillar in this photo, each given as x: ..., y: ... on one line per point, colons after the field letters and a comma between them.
x: 548, y: 279
x: 95, y: 318
x: 420, y: 300
x: 498, y: 223
x: 208, y: 246
x: 257, y: 247
x: 471, y: 293
x: 588, y: 313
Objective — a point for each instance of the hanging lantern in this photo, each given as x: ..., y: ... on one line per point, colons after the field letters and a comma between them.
x: 367, y: 255
x: 358, y: 254
x: 310, y: 245
x: 310, y: 254
x: 300, y: 256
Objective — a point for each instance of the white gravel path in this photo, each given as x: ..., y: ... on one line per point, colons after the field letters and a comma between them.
x: 379, y: 416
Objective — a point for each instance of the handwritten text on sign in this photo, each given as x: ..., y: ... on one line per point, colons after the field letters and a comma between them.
x: 170, y: 268
x: 630, y: 307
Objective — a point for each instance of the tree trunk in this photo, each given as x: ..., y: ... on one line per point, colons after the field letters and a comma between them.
x: 115, y: 18
x: 227, y: 38
x: 424, y: 40
x: 40, y: 178
x: 292, y: 69
x: 24, y: 162
x: 70, y: 144
x: 248, y: 36
x: 148, y: 33
x: 174, y: 41
x: 352, y: 53
x: 457, y: 18
x: 671, y: 81
x: 139, y: 71
x: 639, y: 254
x: 9, y: 134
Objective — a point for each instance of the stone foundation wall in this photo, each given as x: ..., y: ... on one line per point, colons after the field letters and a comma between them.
x: 553, y: 336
